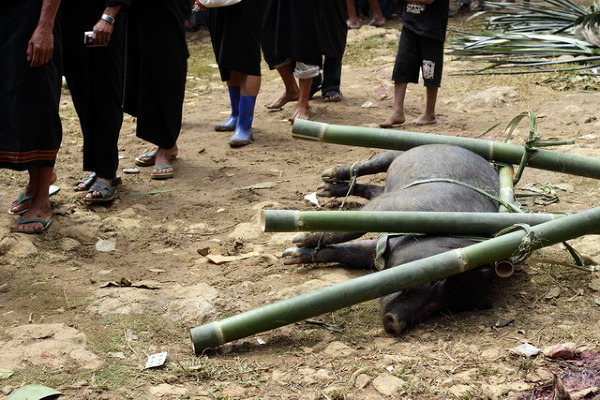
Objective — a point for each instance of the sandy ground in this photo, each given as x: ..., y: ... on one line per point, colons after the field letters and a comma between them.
x: 71, y: 321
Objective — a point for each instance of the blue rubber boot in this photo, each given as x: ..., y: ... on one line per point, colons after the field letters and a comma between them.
x: 234, y: 98
x: 243, y: 130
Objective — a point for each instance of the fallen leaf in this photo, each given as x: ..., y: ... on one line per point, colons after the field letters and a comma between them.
x: 123, y: 282
x: 261, y: 185
x: 146, y: 284
x: 5, y: 373
x: 34, y: 392
x: 204, y: 251
x: 499, y: 324
x: 219, y: 259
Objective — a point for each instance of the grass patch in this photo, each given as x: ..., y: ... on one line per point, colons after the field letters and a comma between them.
x: 366, y: 52
x: 201, y: 62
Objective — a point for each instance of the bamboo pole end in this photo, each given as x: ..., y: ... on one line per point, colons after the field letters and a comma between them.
x: 206, y: 336
x: 308, y: 130
x: 280, y: 220
x: 504, y: 268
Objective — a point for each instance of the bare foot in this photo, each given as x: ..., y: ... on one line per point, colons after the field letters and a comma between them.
x: 394, y: 119
x: 300, y: 113
x: 282, y: 101
x: 353, y: 23
x: 425, y: 120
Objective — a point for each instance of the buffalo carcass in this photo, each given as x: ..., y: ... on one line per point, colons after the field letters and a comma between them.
x: 426, y: 178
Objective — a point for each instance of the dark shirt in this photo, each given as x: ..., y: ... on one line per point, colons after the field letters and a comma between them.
x: 124, y: 3
x: 427, y: 20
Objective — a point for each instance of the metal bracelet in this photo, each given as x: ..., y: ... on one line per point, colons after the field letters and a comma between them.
x: 108, y: 18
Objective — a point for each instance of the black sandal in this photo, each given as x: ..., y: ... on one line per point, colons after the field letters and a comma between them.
x: 89, y: 180
x: 107, y: 193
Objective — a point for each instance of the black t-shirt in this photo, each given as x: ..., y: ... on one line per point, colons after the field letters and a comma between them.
x: 427, y: 20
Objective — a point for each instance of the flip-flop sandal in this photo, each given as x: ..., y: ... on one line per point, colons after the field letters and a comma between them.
x: 22, y: 198
x: 159, y: 174
x: 107, y: 193
x: 89, y: 180
x: 21, y: 221
x: 376, y: 25
x: 332, y: 96
x: 148, y: 158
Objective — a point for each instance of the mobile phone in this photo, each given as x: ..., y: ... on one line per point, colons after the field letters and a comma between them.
x: 88, y: 39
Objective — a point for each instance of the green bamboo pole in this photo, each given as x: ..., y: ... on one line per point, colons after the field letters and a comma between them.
x: 506, y: 174
x: 396, y: 221
x: 391, y: 280
x: 404, y: 140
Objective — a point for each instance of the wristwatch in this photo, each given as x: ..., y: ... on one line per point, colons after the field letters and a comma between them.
x: 108, y: 18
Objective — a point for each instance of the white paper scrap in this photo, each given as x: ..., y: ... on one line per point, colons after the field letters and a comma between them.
x: 156, y: 360
x: 312, y: 198
x: 526, y: 350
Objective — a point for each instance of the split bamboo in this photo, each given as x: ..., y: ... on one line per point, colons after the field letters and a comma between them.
x: 506, y: 175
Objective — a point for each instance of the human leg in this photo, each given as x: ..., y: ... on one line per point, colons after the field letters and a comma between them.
x: 431, y: 68
x: 291, y: 93
x: 332, y: 72
x: 305, y: 74
x: 302, y: 106
x: 249, y: 90
x: 406, y: 70
x: 234, y: 89
x: 95, y: 79
x: 377, y: 18
x: 155, y: 81
x: 353, y: 22
x: 428, y: 117
x: 397, y: 116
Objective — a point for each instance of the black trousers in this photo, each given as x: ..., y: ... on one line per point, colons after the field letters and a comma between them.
x: 95, y: 79
x: 330, y: 77
x: 156, y: 69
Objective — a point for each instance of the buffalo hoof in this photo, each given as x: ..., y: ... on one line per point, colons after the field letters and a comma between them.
x: 333, y: 190
x: 297, y: 255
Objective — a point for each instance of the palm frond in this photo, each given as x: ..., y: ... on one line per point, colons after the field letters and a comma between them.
x: 529, y: 35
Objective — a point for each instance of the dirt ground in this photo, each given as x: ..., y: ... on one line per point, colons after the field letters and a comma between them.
x: 69, y: 319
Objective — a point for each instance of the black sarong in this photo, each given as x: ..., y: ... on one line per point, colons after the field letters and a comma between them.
x: 290, y: 31
x: 30, y: 128
x: 235, y: 33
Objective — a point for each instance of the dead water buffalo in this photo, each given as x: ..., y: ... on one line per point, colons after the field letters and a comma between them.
x: 417, y: 180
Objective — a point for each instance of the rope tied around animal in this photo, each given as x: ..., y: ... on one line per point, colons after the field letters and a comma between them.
x: 353, y: 177
x: 509, y: 206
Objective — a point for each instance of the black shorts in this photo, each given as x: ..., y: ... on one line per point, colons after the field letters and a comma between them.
x: 416, y: 52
